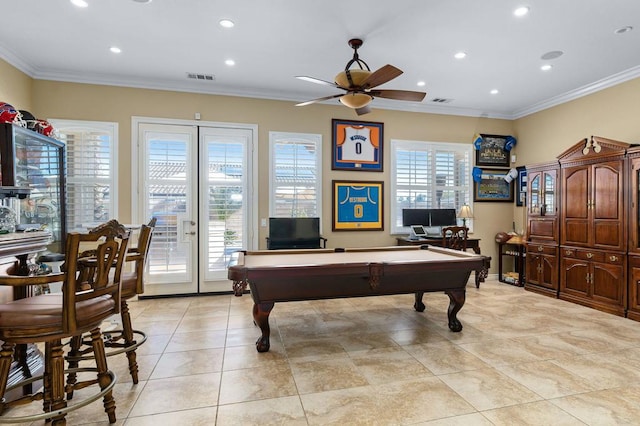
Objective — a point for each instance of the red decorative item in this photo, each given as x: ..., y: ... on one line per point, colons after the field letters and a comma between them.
x: 8, y: 114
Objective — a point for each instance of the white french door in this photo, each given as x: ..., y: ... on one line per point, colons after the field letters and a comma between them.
x: 196, y: 181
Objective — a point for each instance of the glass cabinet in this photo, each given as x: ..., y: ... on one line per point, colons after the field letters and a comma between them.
x: 33, y: 168
x: 542, y: 203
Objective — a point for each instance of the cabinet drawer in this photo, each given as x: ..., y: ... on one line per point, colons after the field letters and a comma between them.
x: 593, y: 255
x: 541, y: 249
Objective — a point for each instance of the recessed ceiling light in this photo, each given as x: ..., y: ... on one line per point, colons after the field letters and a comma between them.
x: 226, y: 23
x: 623, y: 29
x: 79, y: 3
x: 230, y: 62
x: 460, y: 55
x: 422, y: 83
x: 494, y: 92
x: 143, y: 1
x: 115, y: 49
x: 521, y: 11
x: 546, y: 67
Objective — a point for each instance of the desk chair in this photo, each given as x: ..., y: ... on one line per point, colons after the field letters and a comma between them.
x: 121, y: 341
x: 90, y: 295
x: 455, y: 237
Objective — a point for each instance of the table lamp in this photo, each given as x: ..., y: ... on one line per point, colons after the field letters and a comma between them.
x: 465, y: 213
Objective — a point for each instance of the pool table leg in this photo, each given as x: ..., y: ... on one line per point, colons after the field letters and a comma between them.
x: 261, y: 313
x: 456, y: 301
x: 418, y: 305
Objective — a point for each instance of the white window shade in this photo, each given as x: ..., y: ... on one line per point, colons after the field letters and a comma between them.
x: 91, y: 180
x: 295, y: 174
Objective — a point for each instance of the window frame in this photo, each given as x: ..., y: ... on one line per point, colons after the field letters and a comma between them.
x: 111, y: 128
x: 306, y: 138
x: 395, y: 213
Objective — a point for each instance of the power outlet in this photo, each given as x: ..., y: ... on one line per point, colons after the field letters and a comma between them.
x: 263, y: 222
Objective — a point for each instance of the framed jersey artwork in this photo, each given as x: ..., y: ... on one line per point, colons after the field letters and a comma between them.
x: 357, y: 145
x: 357, y: 206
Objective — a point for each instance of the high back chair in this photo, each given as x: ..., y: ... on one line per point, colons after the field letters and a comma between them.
x: 455, y: 237
x: 132, y: 284
x: 90, y: 294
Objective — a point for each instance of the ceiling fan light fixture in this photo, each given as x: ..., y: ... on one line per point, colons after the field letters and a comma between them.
x: 357, y: 76
x: 356, y: 100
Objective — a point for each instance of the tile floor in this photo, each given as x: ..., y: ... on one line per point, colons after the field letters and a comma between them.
x: 521, y: 359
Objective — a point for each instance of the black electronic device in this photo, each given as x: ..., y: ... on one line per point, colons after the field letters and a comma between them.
x: 415, y: 217
x: 294, y: 232
x: 443, y: 217
x: 418, y: 232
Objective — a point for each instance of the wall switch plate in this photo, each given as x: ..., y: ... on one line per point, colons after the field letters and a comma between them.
x: 263, y: 222
x: 513, y: 158
x: 197, y: 116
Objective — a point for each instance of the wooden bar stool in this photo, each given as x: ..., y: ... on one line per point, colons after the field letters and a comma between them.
x: 89, y: 296
x: 126, y: 340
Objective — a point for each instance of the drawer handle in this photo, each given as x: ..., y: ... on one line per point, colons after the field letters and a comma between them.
x: 613, y: 258
x: 589, y: 255
x: 568, y: 252
x: 540, y: 248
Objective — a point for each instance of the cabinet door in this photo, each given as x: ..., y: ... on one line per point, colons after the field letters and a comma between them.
x: 549, y: 272
x: 634, y: 219
x: 549, y: 192
x: 608, y: 283
x: 535, y: 186
x: 576, y: 205
x: 533, y: 268
x: 574, y: 277
x: 607, y: 205
x: 634, y: 288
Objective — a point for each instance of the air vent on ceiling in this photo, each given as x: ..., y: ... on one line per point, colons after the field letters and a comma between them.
x: 201, y: 77
x: 441, y: 100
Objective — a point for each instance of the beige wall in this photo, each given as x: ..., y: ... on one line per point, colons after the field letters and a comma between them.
x: 611, y: 113
x: 15, y: 87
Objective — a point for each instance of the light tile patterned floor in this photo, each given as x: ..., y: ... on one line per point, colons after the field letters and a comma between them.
x: 521, y: 359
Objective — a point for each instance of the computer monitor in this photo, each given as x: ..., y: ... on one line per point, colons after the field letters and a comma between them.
x: 443, y: 217
x: 415, y: 217
x: 294, y: 228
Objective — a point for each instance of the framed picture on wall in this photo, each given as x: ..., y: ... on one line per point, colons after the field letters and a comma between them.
x: 357, y: 206
x: 491, y: 151
x: 521, y: 185
x: 356, y: 145
x: 493, y: 186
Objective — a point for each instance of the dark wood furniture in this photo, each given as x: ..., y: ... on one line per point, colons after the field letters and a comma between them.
x: 281, y: 276
x: 515, y: 249
x: 543, y: 240
x: 455, y: 237
x: 91, y: 294
x: 472, y: 243
x: 125, y: 340
x: 633, y: 285
x: 593, y: 232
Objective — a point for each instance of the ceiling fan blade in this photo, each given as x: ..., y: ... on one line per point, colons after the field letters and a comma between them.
x: 364, y: 110
x: 400, y: 95
x: 313, y: 101
x: 318, y: 81
x: 381, y: 76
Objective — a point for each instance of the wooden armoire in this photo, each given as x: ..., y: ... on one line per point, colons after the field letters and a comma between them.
x: 595, y: 224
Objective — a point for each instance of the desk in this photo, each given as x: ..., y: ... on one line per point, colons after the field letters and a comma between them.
x: 472, y: 243
x: 291, y: 275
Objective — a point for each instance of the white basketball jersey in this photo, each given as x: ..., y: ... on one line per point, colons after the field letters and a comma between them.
x: 357, y: 146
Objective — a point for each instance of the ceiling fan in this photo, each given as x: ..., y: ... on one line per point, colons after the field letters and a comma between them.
x: 360, y: 83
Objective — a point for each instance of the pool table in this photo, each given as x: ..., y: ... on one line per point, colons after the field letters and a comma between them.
x: 290, y: 275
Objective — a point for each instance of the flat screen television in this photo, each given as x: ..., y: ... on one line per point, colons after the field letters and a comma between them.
x: 415, y: 217
x: 294, y: 228
x: 443, y: 217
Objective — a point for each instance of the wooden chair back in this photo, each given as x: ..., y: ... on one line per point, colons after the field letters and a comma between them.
x: 93, y: 274
x: 455, y: 237
x: 140, y: 253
